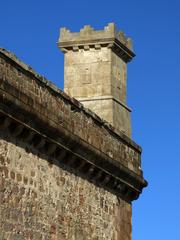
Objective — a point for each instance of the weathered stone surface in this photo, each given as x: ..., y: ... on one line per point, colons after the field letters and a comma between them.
x: 61, y: 166
x: 54, y: 203
x: 95, y: 72
x: 41, y: 100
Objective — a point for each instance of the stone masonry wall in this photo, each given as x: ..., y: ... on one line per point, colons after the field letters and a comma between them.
x: 42, y: 197
x: 95, y: 71
x: 44, y: 200
x: 39, y: 95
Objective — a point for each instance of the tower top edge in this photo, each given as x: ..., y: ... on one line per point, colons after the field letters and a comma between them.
x: 88, y: 33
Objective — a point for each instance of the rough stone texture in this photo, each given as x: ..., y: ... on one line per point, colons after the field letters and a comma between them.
x: 95, y: 72
x: 42, y: 200
x: 41, y: 197
x: 38, y: 95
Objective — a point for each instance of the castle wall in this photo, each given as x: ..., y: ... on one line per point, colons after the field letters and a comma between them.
x: 64, y: 172
x: 45, y: 200
x: 49, y: 104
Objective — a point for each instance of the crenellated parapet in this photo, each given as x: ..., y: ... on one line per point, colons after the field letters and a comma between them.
x: 88, y: 38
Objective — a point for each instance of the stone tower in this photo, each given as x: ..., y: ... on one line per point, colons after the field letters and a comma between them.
x: 65, y: 173
x: 96, y: 71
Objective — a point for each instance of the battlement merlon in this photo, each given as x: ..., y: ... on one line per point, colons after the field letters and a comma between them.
x: 89, y: 38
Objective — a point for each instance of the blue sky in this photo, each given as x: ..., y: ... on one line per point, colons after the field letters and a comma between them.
x: 30, y: 29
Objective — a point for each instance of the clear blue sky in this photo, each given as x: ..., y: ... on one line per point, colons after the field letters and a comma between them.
x: 30, y: 29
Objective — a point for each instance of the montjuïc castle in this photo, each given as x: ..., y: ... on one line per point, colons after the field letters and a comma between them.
x: 69, y: 169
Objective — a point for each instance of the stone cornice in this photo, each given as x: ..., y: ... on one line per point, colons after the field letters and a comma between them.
x: 72, y: 152
x: 22, y: 119
x: 121, y: 50
x: 89, y: 38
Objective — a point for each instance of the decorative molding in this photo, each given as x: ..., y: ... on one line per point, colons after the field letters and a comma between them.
x: 82, y: 157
